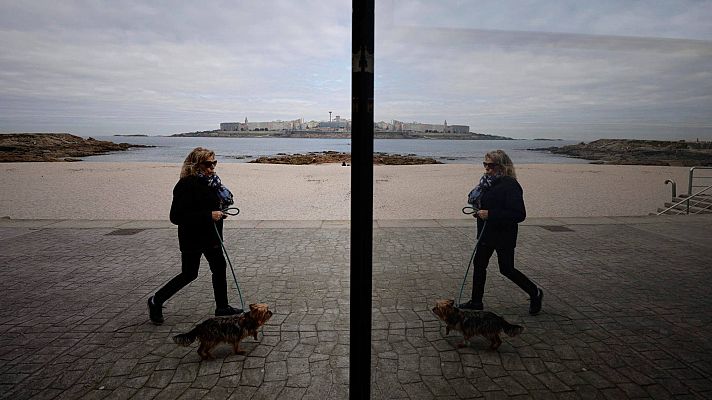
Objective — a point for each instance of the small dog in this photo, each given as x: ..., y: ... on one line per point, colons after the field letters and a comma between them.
x: 229, y: 329
x: 471, y: 323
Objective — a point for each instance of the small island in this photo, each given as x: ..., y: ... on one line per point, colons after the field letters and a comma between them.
x: 325, y: 157
x: 33, y: 147
x: 327, y: 134
x: 639, y: 152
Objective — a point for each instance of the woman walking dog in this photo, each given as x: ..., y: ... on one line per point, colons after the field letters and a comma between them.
x: 198, y: 200
x: 499, y: 200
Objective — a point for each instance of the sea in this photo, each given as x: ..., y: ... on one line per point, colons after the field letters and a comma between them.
x: 170, y: 149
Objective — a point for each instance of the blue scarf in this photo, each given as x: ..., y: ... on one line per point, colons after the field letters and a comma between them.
x: 224, y: 194
x: 475, y: 194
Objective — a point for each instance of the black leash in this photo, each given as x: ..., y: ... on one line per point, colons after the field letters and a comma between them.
x: 469, y: 210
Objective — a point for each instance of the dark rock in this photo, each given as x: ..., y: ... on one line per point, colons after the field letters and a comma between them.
x: 343, y: 158
x: 639, y: 152
x: 31, y: 147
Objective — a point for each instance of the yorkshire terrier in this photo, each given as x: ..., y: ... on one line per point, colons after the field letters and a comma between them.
x: 484, y: 323
x: 231, y: 329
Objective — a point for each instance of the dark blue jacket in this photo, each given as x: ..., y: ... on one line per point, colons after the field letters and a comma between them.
x: 505, y: 203
x: 191, y: 209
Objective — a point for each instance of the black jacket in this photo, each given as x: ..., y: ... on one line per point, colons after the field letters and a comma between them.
x: 192, y: 207
x: 505, y: 204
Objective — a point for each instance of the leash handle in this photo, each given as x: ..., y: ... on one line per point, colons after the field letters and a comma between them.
x: 469, y: 210
x: 231, y: 211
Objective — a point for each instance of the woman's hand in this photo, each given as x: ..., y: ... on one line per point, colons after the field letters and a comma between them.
x: 218, y: 215
x: 482, y: 214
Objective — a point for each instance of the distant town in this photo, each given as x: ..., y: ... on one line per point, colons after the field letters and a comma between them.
x: 338, y: 127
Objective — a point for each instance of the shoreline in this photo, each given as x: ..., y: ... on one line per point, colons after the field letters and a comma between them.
x: 142, y: 191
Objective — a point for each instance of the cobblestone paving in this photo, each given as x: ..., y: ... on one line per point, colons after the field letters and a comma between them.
x: 626, y: 313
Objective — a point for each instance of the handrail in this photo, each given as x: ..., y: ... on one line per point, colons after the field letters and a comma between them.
x: 674, y: 188
x: 690, y: 178
x: 687, y: 199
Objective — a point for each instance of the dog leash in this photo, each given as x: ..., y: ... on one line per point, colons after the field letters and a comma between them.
x: 469, y: 210
x: 230, y: 211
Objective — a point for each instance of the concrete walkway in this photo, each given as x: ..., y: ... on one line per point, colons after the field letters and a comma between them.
x: 627, y: 311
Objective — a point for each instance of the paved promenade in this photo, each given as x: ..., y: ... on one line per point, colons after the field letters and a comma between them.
x: 627, y: 311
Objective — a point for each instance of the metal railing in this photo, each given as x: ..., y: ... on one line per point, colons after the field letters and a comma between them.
x: 688, y: 199
x: 674, y: 188
x: 692, y: 180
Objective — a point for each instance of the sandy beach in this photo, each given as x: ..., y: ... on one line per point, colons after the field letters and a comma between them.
x: 143, y: 191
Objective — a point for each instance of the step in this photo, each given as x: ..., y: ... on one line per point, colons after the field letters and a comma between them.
x: 682, y: 209
x: 699, y: 197
x: 700, y: 204
x: 693, y: 202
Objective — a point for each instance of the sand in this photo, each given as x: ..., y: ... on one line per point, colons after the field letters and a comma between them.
x: 143, y: 191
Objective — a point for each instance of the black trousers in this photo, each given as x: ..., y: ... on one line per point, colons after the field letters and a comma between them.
x: 190, y: 263
x: 505, y: 258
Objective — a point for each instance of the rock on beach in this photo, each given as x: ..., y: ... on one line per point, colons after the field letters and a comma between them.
x: 28, y: 147
x: 640, y: 152
x: 326, y: 157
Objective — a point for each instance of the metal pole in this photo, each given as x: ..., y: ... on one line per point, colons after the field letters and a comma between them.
x: 361, y: 199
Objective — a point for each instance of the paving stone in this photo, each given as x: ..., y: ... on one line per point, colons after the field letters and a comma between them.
x: 186, y: 373
x: 205, y: 381
x: 319, y: 388
x: 439, y: 386
x: 510, y: 386
x: 604, y: 331
x: 252, y: 377
x: 160, y: 379
x: 275, y: 371
x: 386, y: 389
x: 417, y: 390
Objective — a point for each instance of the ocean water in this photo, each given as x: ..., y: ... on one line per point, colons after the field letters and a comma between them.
x: 174, y: 149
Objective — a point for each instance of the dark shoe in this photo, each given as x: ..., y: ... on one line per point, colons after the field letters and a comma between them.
x: 155, y: 312
x: 535, y: 302
x: 227, y: 310
x: 471, y: 305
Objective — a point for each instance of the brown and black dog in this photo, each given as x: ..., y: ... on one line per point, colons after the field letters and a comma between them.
x: 484, y: 323
x: 231, y: 329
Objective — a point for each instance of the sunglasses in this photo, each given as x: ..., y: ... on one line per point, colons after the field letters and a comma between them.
x: 489, y: 165
x: 208, y: 164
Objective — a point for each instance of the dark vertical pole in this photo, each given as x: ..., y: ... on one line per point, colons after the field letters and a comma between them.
x: 361, y: 199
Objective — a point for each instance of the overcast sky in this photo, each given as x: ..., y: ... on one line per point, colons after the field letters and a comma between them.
x: 525, y: 69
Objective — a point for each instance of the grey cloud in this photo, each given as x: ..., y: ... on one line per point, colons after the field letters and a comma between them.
x: 226, y: 60
x: 684, y: 19
x: 495, y: 78
x: 520, y: 68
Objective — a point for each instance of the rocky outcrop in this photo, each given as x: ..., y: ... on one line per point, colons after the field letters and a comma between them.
x: 639, y: 152
x: 25, y: 147
x: 343, y: 158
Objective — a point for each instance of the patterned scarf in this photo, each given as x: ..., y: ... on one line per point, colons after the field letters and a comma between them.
x: 224, y: 194
x: 475, y: 194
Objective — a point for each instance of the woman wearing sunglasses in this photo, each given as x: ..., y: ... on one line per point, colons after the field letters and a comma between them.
x: 198, y: 200
x: 500, y: 208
